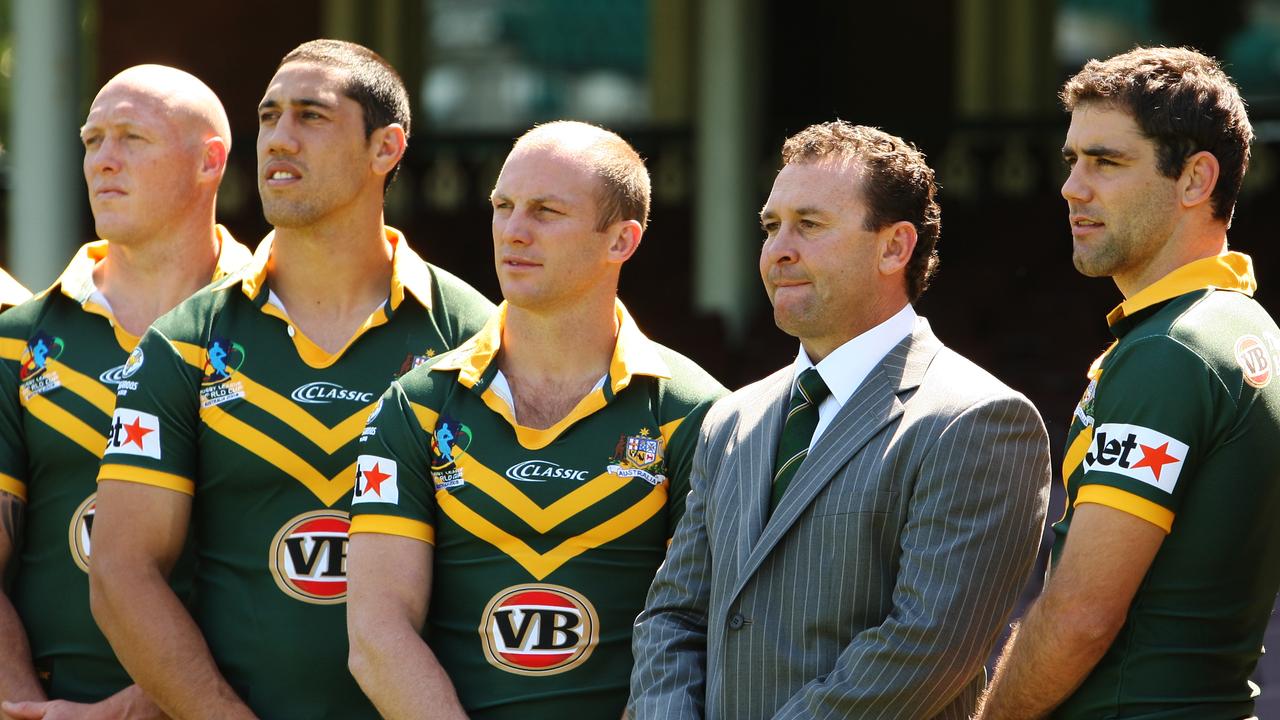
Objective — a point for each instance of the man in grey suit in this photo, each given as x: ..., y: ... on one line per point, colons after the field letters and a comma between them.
x: 860, y: 522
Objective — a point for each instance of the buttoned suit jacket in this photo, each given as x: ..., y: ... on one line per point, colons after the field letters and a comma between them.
x: 880, y: 583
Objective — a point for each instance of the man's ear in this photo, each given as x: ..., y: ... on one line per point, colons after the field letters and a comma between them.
x: 1198, y: 179
x: 213, y: 158
x: 624, y: 240
x: 896, y: 242
x: 389, y: 144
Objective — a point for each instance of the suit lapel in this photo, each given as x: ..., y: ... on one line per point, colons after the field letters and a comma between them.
x: 878, y: 401
x: 757, y: 441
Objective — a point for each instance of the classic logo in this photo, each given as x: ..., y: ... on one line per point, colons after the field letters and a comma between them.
x: 542, y: 471
x: 375, y: 480
x: 39, y: 351
x: 1136, y: 452
x: 638, y: 456
x: 222, y: 359
x: 1254, y: 360
x: 80, y: 530
x: 134, y: 433
x: 309, y: 557
x: 538, y: 629
x: 320, y: 393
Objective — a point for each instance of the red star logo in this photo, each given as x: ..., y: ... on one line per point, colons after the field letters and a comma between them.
x: 373, y: 479
x: 135, y: 432
x: 1155, y: 458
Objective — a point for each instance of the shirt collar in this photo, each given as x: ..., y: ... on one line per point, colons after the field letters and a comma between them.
x: 12, y: 292
x: 76, y: 282
x: 633, y: 353
x: 1229, y: 271
x: 408, y: 270
x: 848, y: 365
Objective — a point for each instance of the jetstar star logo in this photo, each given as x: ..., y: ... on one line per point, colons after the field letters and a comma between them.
x: 134, y: 433
x: 538, y: 630
x: 1137, y: 452
x: 375, y: 480
x: 79, y: 532
x: 308, y: 557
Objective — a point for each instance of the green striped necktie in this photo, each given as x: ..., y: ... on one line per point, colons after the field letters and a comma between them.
x: 797, y: 431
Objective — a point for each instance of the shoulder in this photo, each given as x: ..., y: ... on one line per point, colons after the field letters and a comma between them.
x: 753, y: 396
x: 192, y: 319
x: 18, y: 321
x: 689, y: 386
x: 955, y: 382
x: 453, y: 290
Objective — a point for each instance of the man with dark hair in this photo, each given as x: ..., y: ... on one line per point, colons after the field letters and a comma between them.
x: 526, y: 484
x: 1163, y: 574
x: 859, y: 523
x: 156, y: 142
x: 244, y: 408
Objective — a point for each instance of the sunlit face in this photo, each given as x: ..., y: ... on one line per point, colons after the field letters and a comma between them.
x: 546, y: 247
x: 1121, y: 208
x: 819, y: 263
x: 141, y: 164
x: 313, y: 157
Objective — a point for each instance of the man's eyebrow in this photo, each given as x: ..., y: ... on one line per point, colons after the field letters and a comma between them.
x: 300, y: 102
x: 1102, y: 151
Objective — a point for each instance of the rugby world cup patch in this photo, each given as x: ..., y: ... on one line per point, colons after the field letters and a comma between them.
x: 1137, y: 452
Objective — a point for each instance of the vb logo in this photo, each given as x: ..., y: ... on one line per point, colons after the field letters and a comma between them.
x: 309, y: 557
x: 538, y: 630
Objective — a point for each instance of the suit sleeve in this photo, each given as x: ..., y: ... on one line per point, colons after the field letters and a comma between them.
x: 970, y: 536
x: 668, y: 681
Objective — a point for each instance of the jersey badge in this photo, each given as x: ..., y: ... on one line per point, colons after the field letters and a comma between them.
x: 412, y: 361
x: 1136, y: 452
x: 34, y: 373
x: 638, y: 456
x: 308, y: 557
x: 450, y: 439
x: 80, y: 530
x: 538, y: 629
x: 134, y: 433
x: 223, y: 358
x: 1254, y: 360
x: 542, y: 470
x: 375, y: 480
x: 1084, y: 410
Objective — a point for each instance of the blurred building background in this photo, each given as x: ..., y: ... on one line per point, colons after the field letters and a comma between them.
x: 707, y: 90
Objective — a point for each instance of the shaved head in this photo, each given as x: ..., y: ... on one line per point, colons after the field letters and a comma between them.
x: 182, y: 96
x: 155, y: 149
x: 624, y: 182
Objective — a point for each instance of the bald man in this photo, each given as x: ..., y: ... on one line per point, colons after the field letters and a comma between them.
x: 155, y: 148
x: 536, y: 472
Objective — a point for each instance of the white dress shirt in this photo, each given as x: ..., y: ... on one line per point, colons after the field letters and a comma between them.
x: 848, y: 365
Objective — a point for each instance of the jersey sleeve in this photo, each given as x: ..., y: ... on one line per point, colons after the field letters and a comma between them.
x: 1153, y: 414
x: 154, y: 431
x: 393, y: 492
x: 13, y: 446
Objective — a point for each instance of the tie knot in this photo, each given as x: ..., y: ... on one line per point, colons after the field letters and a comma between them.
x: 810, y: 384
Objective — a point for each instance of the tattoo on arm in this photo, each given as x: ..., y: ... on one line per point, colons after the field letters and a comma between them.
x: 12, y: 516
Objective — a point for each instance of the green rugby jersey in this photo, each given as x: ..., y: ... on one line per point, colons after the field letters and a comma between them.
x: 1180, y: 426
x: 545, y: 541
x: 236, y: 406
x: 61, y: 359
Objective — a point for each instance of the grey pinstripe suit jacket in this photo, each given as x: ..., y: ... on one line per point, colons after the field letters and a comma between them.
x: 881, y: 581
